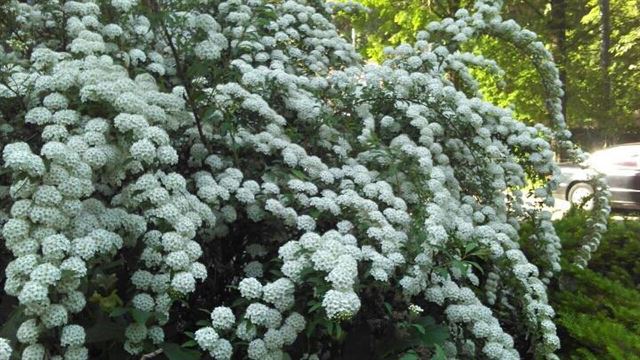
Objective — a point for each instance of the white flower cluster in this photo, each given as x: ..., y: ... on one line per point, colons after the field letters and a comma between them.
x: 464, y: 309
x: 219, y: 348
x: 347, y: 175
x: 415, y: 309
x: 53, y: 233
x: 169, y: 259
x: 5, y: 349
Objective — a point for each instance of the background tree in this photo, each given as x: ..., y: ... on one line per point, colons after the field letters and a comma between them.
x: 600, y: 85
x: 605, y: 57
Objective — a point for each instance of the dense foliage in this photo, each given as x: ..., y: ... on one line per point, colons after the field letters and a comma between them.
x: 599, y: 307
x: 232, y: 171
x: 389, y: 22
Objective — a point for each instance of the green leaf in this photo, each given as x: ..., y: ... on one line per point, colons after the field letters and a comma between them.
x: 411, y: 355
x: 434, y: 334
x: 140, y: 316
x: 339, y: 332
x: 119, y: 311
x: 202, y: 323
x: 440, y: 354
x: 211, y: 115
x: 329, y: 326
x: 476, y: 265
x: 419, y: 328
x: 189, y: 343
x: 426, y: 321
x: 315, y: 307
x: 176, y: 352
x: 460, y: 265
x: 388, y: 307
x: 237, y: 302
x: 470, y: 247
x: 311, y: 326
x: 315, y: 213
x: 442, y: 272
x: 276, y: 272
x: 299, y: 174
x: 105, y: 330
x: 10, y: 327
x: 226, y: 127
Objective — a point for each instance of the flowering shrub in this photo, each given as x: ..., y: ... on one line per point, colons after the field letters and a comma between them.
x: 238, y: 156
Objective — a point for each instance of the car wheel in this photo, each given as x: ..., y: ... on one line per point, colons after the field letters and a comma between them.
x: 578, y: 193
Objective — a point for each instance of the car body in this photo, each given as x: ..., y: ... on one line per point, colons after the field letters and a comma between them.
x: 621, y: 166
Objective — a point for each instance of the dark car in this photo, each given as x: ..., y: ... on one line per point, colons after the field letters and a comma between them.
x: 621, y: 166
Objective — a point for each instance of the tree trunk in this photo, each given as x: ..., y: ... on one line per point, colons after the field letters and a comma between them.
x: 605, y: 59
x: 558, y: 25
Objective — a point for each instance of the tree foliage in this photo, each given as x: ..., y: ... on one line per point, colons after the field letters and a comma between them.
x: 392, y: 23
x: 599, y: 307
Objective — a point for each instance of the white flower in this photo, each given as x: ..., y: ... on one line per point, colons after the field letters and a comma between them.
x: 33, y: 352
x: 198, y: 270
x: 253, y: 269
x: 183, y: 282
x: 250, y: 288
x: 415, y: 309
x: 306, y: 223
x: 55, y: 315
x: 340, y: 305
x: 39, y: 116
x: 111, y: 31
x: 222, y: 350
x: 343, y: 275
x: 46, y: 274
x: 262, y: 315
x: 206, y: 338
x: 167, y: 155
x: 246, y: 331
x: 123, y: 5
x: 143, y: 150
x: 136, y: 332
x: 210, y: 50
x: 5, y: 349
x: 74, y: 301
x: 177, y: 260
x: 143, y: 302
x: 222, y: 318
x: 174, y: 182
x: 77, y: 353
x: 28, y: 332
x: 279, y: 293
x: 156, y: 334
x: 15, y: 230
x: 33, y: 292
x: 296, y: 321
x: 273, y: 339
x: 257, y: 350
x: 72, y: 335
x: 75, y: 265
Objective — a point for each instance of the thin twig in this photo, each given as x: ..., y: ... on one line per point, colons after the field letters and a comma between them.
x: 181, y: 74
x: 151, y: 354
